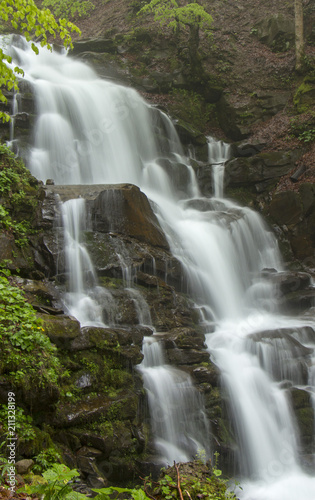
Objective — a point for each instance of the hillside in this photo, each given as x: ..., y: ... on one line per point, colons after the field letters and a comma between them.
x: 257, y: 77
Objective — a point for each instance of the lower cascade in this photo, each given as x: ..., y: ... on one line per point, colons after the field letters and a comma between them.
x: 92, y: 131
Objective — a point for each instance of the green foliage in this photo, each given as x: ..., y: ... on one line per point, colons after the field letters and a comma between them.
x: 69, y: 8
x: 23, y: 423
x: 113, y: 492
x: 193, y: 484
x: 45, y: 459
x: 57, y: 485
x: 199, y: 482
x: 31, y: 22
x: 18, y: 192
x: 190, y: 107
x: 168, y: 12
x: 27, y: 357
x: 303, y: 127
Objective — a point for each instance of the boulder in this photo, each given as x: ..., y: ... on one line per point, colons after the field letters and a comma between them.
x: 258, y: 170
x: 23, y: 466
x: 124, y: 209
x: 276, y: 31
x: 187, y: 356
x: 98, y: 45
x: 61, y: 330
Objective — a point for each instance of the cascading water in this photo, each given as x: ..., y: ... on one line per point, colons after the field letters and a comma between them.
x: 218, y: 154
x: 179, y: 424
x: 84, y: 296
x: 93, y: 131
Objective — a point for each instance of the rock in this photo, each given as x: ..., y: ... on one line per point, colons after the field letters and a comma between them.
x: 126, y: 210
x: 94, y: 45
x: 188, y: 135
x: 246, y: 148
x: 206, y: 375
x: 24, y: 466
x: 276, y: 31
x: 286, y: 208
x: 258, y: 169
x: 61, y: 329
x: 304, y: 97
x: 302, y: 406
x: 294, y: 211
x: 187, y: 357
x: 288, y: 281
x: 82, y: 412
x: 184, y: 338
x: 237, y: 114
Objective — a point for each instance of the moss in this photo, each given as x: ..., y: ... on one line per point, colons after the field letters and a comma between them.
x: 304, y: 98
x: 241, y: 195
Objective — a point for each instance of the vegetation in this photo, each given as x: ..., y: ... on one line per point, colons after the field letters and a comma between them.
x: 192, y: 15
x: 174, y: 483
x: 24, y: 16
x: 18, y: 192
x: 68, y: 8
x: 27, y: 356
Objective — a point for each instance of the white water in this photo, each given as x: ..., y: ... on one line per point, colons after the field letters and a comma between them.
x: 92, y: 131
x: 178, y: 420
x: 84, y: 299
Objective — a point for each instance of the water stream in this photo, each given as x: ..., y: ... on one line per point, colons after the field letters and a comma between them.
x: 94, y: 131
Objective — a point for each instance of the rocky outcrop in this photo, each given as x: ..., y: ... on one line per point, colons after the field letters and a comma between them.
x: 276, y: 31
x: 294, y: 212
x: 237, y: 114
x: 260, y: 171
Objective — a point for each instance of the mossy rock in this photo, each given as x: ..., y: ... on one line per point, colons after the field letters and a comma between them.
x: 61, y: 330
x: 276, y: 31
x: 304, y: 98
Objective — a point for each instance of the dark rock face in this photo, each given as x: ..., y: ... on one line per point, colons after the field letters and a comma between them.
x: 99, y: 417
x: 126, y: 210
x: 276, y: 31
x: 236, y: 116
x: 294, y: 211
x: 258, y: 170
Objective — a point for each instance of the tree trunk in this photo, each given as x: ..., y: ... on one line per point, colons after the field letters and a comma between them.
x: 299, y: 36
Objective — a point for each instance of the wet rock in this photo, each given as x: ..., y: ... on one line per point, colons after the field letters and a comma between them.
x: 184, y: 338
x: 187, y: 357
x: 206, y: 375
x: 188, y: 135
x: 288, y: 281
x: 304, y: 413
x: 61, y: 330
x: 125, y: 209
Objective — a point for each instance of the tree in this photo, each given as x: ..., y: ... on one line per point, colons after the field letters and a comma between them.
x: 299, y: 35
x: 32, y: 22
x: 192, y: 15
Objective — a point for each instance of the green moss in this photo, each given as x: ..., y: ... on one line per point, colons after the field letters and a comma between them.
x: 304, y: 98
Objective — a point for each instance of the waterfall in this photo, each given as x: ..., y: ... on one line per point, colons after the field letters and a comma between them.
x: 84, y: 297
x: 179, y: 425
x: 94, y: 131
x: 218, y: 154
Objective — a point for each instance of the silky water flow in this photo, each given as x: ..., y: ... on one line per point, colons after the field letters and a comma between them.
x: 92, y: 131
